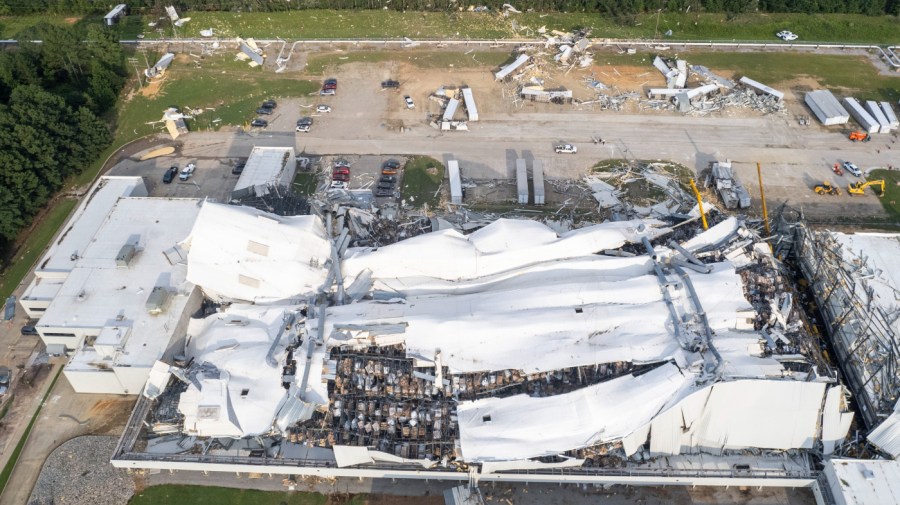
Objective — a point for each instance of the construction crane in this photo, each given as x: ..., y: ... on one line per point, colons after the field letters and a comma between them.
x: 859, y: 188
x: 826, y: 188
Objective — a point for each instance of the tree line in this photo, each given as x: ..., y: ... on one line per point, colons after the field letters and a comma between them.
x: 607, y: 7
x: 53, y: 98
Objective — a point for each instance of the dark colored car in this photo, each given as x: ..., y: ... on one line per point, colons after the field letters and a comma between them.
x: 305, y: 121
x: 390, y: 84
x: 387, y: 178
x: 262, y: 123
x: 341, y: 170
x: 330, y: 84
x: 238, y: 169
x: 341, y: 177
x: 390, y: 167
x: 170, y: 174
x: 5, y: 378
x: 269, y: 104
x: 264, y: 111
x: 29, y: 329
x: 384, y: 192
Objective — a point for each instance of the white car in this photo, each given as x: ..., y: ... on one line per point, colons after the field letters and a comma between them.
x: 338, y: 185
x: 323, y: 108
x: 409, y: 102
x: 187, y: 171
x: 303, y: 128
x: 852, y: 168
x: 567, y: 148
x: 325, y: 92
x: 786, y: 35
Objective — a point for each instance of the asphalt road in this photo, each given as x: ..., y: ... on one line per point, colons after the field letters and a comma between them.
x: 793, y: 158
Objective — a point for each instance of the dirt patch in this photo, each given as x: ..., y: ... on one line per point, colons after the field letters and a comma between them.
x: 72, y: 21
x: 152, y: 88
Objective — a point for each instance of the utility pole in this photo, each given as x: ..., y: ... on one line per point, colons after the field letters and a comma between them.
x: 762, y: 195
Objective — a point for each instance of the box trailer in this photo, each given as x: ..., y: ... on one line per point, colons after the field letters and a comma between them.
x: 865, y: 120
x: 522, y: 181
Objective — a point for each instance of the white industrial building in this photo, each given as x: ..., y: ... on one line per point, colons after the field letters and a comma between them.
x: 491, y: 352
x: 126, y: 297
x: 266, y: 166
x: 78, y: 232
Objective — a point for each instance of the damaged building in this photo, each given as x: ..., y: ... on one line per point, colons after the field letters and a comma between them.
x: 510, y: 349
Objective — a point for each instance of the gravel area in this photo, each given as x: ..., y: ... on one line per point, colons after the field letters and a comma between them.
x: 78, y: 472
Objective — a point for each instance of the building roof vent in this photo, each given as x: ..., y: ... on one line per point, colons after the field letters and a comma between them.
x: 126, y: 254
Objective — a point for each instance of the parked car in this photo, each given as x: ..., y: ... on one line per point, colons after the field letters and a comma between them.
x: 387, y: 178
x: 5, y: 378
x: 270, y: 104
x: 170, y: 174
x: 566, y: 148
x: 390, y: 167
x: 341, y: 170
x: 340, y: 177
x: 338, y: 185
x: 303, y: 128
x: 786, y: 35
x: 386, y: 185
x: 390, y: 84
x: 29, y: 329
x: 238, y: 169
x: 852, y: 168
x: 306, y: 120
x: 384, y: 192
x: 265, y: 111
x: 260, y: 123
x: 330, y: 91
x: 330, y: 84
x: 187, y: 172
x: 342, y: 163
x: 323, y: 109
x: 409, y: 102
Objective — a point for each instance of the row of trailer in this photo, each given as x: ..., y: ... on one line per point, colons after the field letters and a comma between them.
x: 872, y: 116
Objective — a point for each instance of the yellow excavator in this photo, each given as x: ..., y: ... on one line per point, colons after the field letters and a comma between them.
x: 859, y: 188
x: 826, y: 188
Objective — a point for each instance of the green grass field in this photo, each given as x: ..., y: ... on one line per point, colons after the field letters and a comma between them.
x: 327, y: 24
x: 227, y: 91
x: 34, y: 245
x: 324, y: 24
x: 422, y: 177
x: 319, y: 64
x: 207, y: 495
x: 891, y: 198
x: 839, y: 73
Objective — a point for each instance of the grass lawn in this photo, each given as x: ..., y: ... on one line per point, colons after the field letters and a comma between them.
x: 891, y: 198
x: 203, y: 495
x: 842, y: 74
x: 375, y: 24
x: 14, y: 457
x: 318, y: 64
x: 305, y: 183
x: 422, y: 177
x: 34, y: 246
x: 228, y: 92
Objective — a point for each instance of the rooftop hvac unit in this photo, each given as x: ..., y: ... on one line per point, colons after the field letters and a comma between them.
x: 158, y: 299
x: 126, y: 253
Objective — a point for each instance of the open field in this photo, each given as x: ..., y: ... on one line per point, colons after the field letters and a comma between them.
x: 228, y: 92
x: 326, y: 24
x: 321, y: 24
x: 33, y: 244
x: 318, y: 64
x: 201, y: 495
x: 891, y: 198
x: 842, y: 74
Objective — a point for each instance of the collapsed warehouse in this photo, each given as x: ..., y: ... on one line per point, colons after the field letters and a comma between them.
x: 651, y: 345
